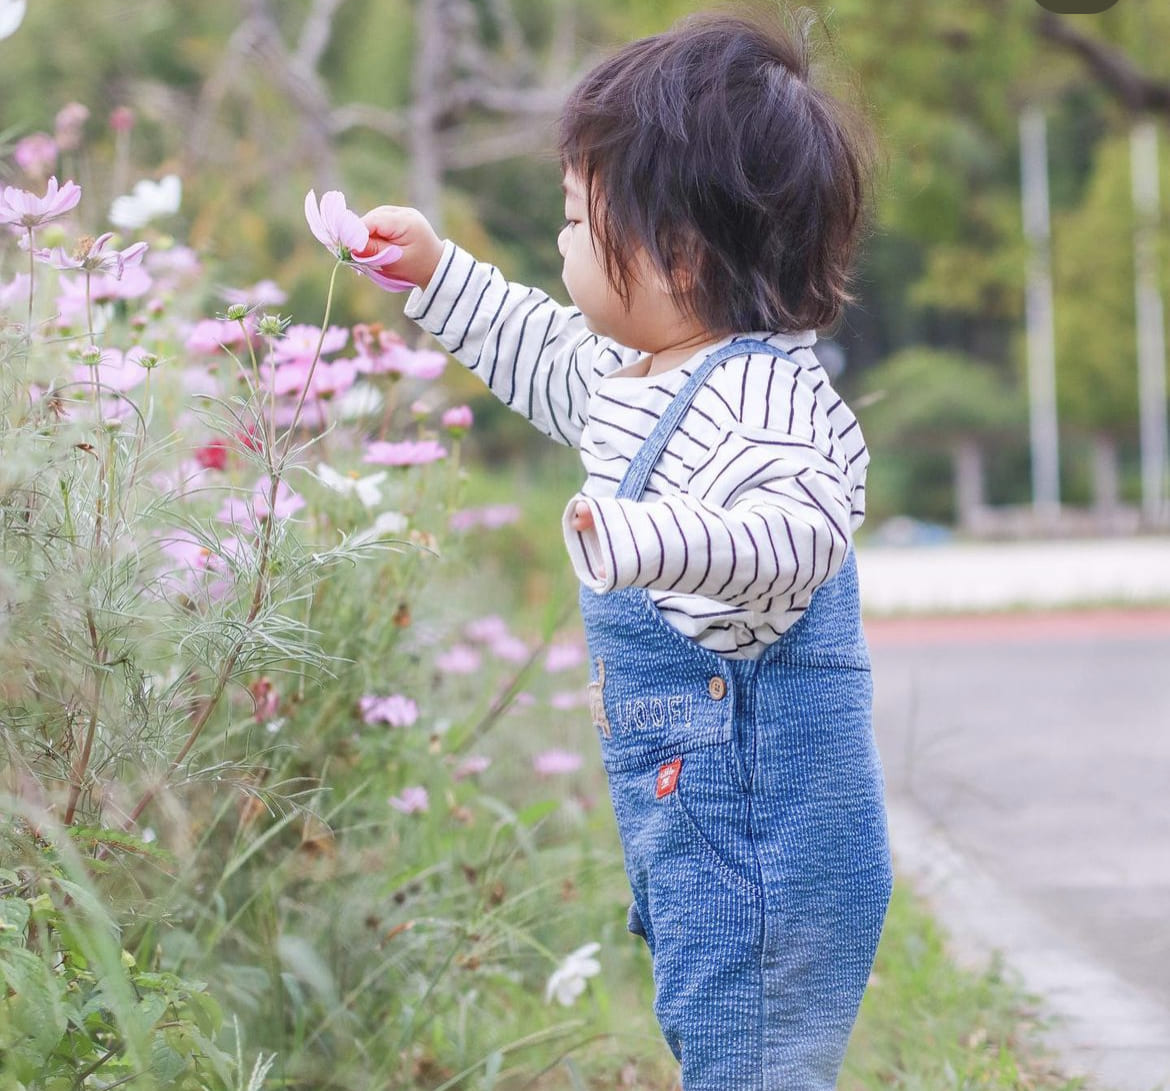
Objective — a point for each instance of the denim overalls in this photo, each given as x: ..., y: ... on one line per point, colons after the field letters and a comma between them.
x: 749, y: 800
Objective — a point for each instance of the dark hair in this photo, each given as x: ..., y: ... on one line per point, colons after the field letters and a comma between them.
x: 707, y: 148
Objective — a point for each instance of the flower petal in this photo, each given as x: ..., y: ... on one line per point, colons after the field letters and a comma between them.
x: 316, y: 223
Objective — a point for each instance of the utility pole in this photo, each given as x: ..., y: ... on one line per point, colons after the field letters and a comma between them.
x: 1151, y: 339
x: 1044, y: 433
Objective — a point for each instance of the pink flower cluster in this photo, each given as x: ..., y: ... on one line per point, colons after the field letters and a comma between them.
x: 404, y: 453
x: 414, y: 800
x: 492, y: 632
x: 489, y: 517
x: 395, y: 710
x: 556, y: 762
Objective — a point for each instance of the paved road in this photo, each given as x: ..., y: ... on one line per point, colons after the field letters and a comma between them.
x: 1039, y: 745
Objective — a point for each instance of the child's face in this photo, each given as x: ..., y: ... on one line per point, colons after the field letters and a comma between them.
x: 590, y: 290
x: 584, y: 271
x: 651, y: 321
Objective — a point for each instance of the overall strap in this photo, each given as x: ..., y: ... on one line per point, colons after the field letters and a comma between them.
x: 633, y: 484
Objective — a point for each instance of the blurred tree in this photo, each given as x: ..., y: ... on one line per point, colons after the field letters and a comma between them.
x: 941, y: 403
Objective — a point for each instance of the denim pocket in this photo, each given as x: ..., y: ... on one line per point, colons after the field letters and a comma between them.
x: 644, y: 719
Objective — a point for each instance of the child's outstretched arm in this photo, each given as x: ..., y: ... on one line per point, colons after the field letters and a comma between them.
x: 768, y: 514
x: 535, y: 355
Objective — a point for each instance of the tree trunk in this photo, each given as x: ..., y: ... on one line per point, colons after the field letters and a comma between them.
x: 1106, y: 475
x: 426, y: 169
x: 969, y: 492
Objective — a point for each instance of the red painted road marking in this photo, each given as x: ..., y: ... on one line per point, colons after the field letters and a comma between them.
x: 1024, y: 628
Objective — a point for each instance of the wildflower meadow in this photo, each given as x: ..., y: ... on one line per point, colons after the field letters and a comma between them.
x: 279, y: 807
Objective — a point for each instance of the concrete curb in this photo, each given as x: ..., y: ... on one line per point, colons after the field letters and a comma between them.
x: 961, y: 577
x: 1104, y: 1029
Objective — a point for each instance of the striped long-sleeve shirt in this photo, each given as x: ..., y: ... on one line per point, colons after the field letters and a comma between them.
x: 754, y: 501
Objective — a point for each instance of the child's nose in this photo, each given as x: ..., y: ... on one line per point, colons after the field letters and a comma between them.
x: 563, y: 241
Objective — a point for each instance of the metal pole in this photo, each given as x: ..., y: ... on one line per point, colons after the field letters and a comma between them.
x: 1151, y: 340
x: 1045, y: 443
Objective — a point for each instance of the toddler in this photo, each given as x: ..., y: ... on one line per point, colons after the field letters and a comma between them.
x: 713, y: 199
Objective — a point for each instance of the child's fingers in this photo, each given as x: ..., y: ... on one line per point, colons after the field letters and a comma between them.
x: 390, y: 222
x: 582, y: 519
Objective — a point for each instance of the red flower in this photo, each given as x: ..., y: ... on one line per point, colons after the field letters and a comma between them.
x: 250, y: 439
x: 214, y: 455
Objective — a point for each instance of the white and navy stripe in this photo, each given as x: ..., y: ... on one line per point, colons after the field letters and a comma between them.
x: 752, y: 505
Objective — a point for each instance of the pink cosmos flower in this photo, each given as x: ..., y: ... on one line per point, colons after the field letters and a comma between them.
x: 300, y: 342
x: 265, y: 699
x: 69, y: 125
x: 264, y: 293
x: 422, y: 364
x: 211, y: 335
x: 413, y: 800
x: 563, y: 656
x: 250, y: 512
x: 509, y: 648
x: 116, y: 370
x: 486, y: 629
x: 196, y: 569
x: 458, y: 659
x: 91, y: 257
x: 24, y: 209
x: 490, y: 517
x: 71, y: 299
x: 15, y: 290
x: 406, y: 453
x: 471, y: 766
x: 121, y: 119
x: 567, y: 700
x: 395, y: 710
x: 327, y: 379
x: 177, y: 261
x: 556, y: 762
x: 344, y: 235
x: 36, y: 154
x: 185, y: 479
x: 458, y: 420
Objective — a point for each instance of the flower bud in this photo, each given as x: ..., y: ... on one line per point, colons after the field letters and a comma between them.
x: 237, y: 312
x: 458, y: 420
x: 272, y: 325
x: 91, y: 355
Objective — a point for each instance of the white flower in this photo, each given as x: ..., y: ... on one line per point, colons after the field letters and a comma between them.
x: 365, y: 488
x: 568, y: 979
x: 358, y: 401
x: 388, y: 525
x: 11, y: 16
x: 147, y: 202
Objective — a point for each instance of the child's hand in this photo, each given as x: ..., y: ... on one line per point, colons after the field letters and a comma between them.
x: 410, y: 229
x: 582, y: 518
x: 582, y: 521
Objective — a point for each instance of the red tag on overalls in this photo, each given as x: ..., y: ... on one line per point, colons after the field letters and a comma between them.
x: 668, y: 778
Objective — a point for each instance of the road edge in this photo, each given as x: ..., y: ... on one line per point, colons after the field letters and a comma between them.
x: 1101, y: 1027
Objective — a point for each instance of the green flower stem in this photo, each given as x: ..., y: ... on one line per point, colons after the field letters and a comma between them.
x: 81, y: 767
x: 31, y: 278
x: 97, y: 388
x: 288, y: 436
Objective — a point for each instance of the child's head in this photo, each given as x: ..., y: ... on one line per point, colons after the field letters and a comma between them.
x: 704, y: 152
